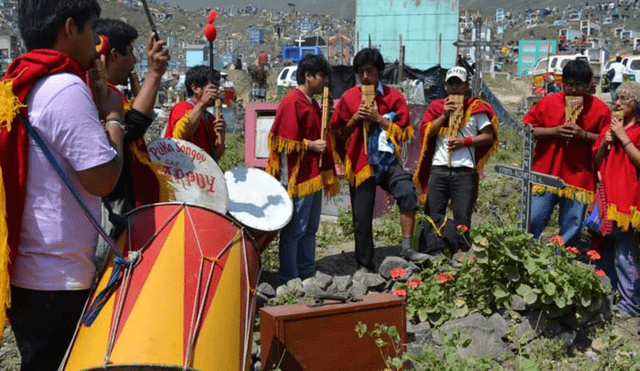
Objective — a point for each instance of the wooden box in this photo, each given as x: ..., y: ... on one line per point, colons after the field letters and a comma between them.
x: 324, y: 338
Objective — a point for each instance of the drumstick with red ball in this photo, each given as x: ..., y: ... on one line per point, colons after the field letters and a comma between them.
x: 210, y: 33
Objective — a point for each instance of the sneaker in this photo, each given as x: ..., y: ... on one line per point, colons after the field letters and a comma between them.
x: 413, y: 255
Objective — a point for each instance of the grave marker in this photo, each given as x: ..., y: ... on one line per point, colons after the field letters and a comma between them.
x: 528, y: 177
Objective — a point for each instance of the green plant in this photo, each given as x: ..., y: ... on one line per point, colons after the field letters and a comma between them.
x: 328, y: 234
x: 394, y: 354
x: 387, y: 229
x: 387, y: 339
x: 503, y: 262
x: 449, y: 359
x: 234, y: 152
x: 284, y: 299
x: 345, y: 222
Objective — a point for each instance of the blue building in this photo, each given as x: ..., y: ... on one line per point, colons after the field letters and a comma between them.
x: 428, y: 30
x: 256, y: 36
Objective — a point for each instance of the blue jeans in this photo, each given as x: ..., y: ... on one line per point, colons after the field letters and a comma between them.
x: 621, y: 261
x: 613, y: 86
x: 572, y: 214
x: 298, y: 239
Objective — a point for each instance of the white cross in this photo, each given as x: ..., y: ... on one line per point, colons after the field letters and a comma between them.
x: 299, y: 41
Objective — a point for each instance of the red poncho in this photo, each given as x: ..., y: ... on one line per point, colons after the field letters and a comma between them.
x: 572, y: 161
x: 350, y: 152
x: 298, y: 121
x: 621, y: 181
x: 204, y: 136
x: 472, y: 106
x: 16, y: 84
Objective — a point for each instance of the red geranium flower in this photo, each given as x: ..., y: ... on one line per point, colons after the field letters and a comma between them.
x: 462, y: 228
x: 399, y: 292
x: 599, y: 272
x: 557, y: 239
x: 573, y: 249
x: 414, y: 284
x: 445, y: 278
x: 594, y: 255
x: 398, y: 273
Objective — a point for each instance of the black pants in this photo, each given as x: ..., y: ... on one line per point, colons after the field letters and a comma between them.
x: 44, y: 323
x: 399, y: 183
x: 457, y: 185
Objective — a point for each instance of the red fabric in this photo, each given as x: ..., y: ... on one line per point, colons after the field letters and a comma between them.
x: 144, y: 180
x: 621, y: 178
x: 14, y: 144
x: 297, y: 119
x: 471, y: 107
x: 353, y: 148
x: 201, y: 136
x: 263, y: 58
x: 571, y: 161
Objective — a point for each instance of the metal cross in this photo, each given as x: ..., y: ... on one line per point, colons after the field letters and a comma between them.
x: 528, y: 177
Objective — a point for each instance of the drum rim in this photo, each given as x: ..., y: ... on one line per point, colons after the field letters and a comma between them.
x: 118, y: 365
x: 179, y: 203
x: 253, y: 169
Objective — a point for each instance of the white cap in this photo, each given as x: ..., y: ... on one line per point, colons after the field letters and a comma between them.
x: 458, y: 72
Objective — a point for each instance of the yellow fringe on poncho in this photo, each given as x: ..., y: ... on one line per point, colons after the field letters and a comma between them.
x: 624, y: 221
x: 326, y: 179
x: 573, y: 193
x: 9, y: 107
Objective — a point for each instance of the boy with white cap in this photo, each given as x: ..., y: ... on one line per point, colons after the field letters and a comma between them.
x: 450, y: 161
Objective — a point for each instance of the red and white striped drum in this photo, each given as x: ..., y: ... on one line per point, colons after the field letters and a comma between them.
x: 188, y: 304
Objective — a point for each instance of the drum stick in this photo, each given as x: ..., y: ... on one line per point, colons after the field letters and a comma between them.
x: 147, y: 12
x: 325, y: 117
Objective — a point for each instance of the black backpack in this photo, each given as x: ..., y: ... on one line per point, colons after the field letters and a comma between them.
x: 437, y: 233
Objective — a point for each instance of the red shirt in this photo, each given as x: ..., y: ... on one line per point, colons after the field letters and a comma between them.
x: 570, y: 160
x: 298, y: 120
x: 351, y: 152
x: 204, y: 136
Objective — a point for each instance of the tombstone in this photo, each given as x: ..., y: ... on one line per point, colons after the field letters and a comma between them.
x: 528, y: 177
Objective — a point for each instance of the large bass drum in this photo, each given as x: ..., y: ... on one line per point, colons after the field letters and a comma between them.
x: 188, y: 304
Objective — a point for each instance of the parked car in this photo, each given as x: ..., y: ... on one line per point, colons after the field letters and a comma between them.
x: 632, y: 68
x: 552, y: 65
x: 287, y: 79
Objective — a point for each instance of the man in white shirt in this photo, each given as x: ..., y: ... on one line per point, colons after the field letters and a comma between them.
x: 52, y: 242
x: 617, y: 78
x: 448, y: 167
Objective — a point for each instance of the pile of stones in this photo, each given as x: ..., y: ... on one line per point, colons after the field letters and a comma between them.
x: 490, y: 336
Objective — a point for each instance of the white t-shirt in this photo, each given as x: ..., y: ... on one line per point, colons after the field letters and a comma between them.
x: 57, y: 241
x: 619, y: 69
x: 463, y: 156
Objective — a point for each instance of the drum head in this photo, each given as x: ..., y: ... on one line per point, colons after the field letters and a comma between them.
x: 195, y: 176
x: 258, y: 200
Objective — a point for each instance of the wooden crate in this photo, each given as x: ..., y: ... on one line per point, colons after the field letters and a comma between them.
x: 324, y: 338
